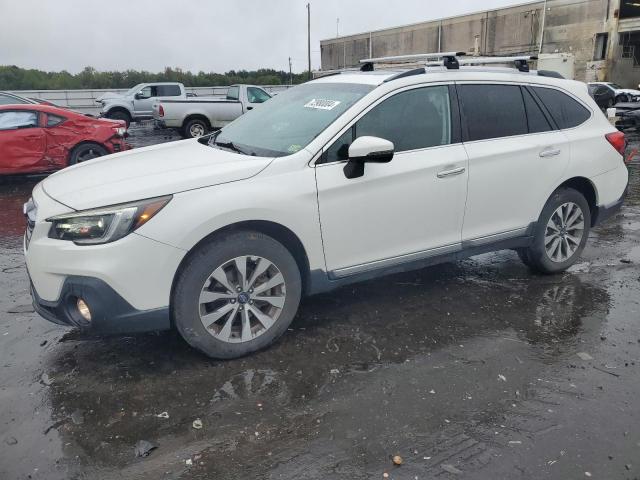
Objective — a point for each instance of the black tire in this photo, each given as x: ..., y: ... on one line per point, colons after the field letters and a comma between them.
x: 119, y: 115
x: 86, y: 151
x: 536, y: 256
x: 198, y: 270
x: 195, y: 128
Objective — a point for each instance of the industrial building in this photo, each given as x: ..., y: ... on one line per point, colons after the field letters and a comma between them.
x: 603, y: 36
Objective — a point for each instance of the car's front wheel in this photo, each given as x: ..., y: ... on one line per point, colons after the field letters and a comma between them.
x: 236, y: 294
x: 561, y: 232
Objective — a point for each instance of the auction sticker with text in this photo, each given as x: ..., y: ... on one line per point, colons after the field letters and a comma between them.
x: 322, y: 104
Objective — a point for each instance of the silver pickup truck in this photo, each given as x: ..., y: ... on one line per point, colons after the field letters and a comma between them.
x: 136, y: 103
x: 195, y: 117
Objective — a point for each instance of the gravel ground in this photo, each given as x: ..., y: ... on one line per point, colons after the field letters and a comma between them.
x: 477, y: 370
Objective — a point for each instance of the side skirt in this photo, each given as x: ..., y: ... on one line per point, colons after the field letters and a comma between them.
x: 321, y: 281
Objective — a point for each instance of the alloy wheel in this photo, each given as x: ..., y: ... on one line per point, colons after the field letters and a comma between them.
x: 564, y: 232
x: 196, y: 130
x: 242, y: 299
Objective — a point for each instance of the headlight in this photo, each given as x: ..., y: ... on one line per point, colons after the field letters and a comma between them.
x: 121, y: 131
x: 104, y: 225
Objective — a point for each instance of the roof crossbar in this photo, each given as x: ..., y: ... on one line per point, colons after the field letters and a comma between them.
x: 521, y: 62
x: 449, y: 59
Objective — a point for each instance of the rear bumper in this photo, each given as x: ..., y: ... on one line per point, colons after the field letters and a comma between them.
x: 605, y: 212
x: 110, y: 313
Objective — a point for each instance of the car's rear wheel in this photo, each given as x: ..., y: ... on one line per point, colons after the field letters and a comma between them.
x: 120, y: 115
x: 236, y: 294
x: 195, y: 128
x: 86, y: 151
x: 561, y: 232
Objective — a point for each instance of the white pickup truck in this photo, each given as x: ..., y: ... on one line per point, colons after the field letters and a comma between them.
x: 136, y: 103
x: 195, y: 117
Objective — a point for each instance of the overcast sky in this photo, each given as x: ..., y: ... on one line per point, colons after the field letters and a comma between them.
x: 213, y: 36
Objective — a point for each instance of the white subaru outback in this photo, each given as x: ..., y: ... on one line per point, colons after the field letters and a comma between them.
x: 345, y: 178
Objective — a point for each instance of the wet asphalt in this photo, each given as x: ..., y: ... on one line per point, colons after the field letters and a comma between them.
x: 473, y: 370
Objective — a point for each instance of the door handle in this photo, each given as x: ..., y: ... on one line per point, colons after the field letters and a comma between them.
x: 451, y: 173
x: 550, y: 152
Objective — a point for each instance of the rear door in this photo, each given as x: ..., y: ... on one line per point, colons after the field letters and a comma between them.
x: 516, y: 159
x: 22, y: 142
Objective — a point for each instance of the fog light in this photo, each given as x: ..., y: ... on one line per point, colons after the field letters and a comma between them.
x: 83, y: 309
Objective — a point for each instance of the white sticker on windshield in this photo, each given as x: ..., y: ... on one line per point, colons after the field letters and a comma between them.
x: 322, y: 104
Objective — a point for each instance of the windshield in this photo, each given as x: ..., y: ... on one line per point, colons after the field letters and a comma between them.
x: 290, y: 121
x: 133, y: 90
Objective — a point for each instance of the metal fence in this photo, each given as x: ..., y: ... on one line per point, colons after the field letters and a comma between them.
x: 85, y: 100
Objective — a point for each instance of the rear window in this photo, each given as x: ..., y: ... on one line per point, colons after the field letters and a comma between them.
x: 566, y: 111
x: 492, y: 111
x: 168, y: 91
x: 535, y: 117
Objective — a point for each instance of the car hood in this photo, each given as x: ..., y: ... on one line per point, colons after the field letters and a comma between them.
x: 149, y: 172
x: 109, y: 96
x: 628, y: 91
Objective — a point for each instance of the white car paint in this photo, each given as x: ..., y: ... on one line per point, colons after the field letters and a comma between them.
x: 396, y: 212
x: 619, y: 91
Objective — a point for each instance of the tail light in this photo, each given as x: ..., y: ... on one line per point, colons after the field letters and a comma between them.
x: 617, y: 141
x: 161, y: 111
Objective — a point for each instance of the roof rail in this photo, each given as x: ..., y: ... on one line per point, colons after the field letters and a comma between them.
x: 449, y: 59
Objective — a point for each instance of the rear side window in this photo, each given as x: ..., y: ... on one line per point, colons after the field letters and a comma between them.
x: 535, y: 118
x: 233, y: 93
x: 566, y: 112
x: 168, y: 91
x: 53, y: 120
x: 492, y: 111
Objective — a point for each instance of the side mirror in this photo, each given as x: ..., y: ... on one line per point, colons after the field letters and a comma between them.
x: 367, y: 150
x: 140, y: 96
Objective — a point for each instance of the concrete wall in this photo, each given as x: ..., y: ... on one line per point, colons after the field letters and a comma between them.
x: 570, y: 26
x: 85, y: 100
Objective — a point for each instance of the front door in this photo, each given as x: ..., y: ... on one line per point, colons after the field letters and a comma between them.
x: 143, y: 104
x: 22, y: 142
x: 405, y: 210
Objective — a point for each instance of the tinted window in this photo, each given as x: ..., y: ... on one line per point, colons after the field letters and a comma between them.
x: 18, y: 119
x: 535, y: 118
x: 565, y: 110
x: 493, y: 111
x: 53, y: 120
x: 168, y: 91
x: 414, y: 119
x: 257, y: 95
x: 10, y: 100
x: 233, y: 93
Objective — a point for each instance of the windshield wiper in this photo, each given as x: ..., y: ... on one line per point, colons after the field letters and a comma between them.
x: 230, y: 146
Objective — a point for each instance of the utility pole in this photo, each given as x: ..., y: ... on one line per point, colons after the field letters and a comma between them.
x: 309, y: 37
x: 290, y: 74
x: 337, y: 27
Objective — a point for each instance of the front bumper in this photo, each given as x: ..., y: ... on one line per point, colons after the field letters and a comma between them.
x: 110, y: 313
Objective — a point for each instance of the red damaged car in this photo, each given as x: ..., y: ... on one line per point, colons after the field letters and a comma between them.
x: 41, y: 138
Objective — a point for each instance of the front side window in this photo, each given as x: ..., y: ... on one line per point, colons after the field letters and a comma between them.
x: 492, y: 111
x: 411, y: 120
x: 566, y: 111
x: 148, y: 92
x: 18, y: 119
x: 292, y: 120
x: 257, y: 95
